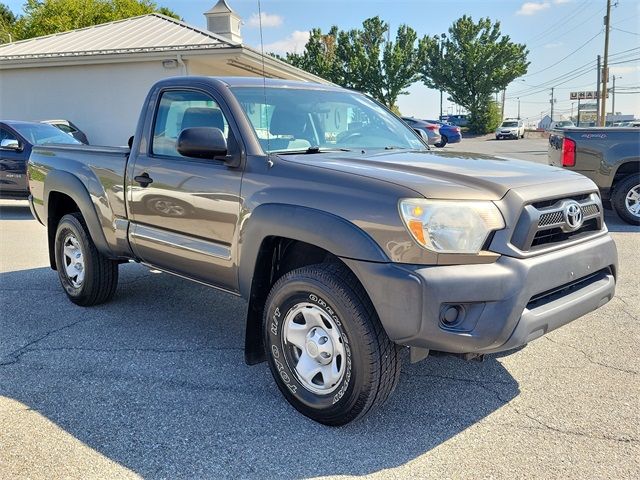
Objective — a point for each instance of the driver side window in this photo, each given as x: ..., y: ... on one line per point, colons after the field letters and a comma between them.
x: 178, y: 110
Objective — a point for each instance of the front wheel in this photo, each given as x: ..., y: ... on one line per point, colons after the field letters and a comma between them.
x: 626, y: 199
x: 87, y: 276
x: 326, y: 348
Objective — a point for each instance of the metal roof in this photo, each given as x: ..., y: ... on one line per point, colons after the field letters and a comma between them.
x: 146, y: 33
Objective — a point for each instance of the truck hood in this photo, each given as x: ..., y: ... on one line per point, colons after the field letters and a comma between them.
x: 446, y: 175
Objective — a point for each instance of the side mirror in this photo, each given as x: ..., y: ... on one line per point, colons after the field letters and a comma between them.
x: 10, y: 144
x: 202, y: 142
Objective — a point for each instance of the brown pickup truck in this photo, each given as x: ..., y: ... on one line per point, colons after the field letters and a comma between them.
x: 350, y: 238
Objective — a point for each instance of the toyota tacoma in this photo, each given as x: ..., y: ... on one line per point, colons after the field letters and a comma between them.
x: 350, y: 239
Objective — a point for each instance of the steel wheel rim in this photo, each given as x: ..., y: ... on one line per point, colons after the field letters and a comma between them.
x: 314, y: 348
x: 74, y: 264
x: 632, y: 201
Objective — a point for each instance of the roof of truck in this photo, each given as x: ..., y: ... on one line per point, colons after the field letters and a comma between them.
x: 273, y: 82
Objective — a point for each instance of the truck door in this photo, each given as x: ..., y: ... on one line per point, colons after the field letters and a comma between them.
x: 13, y: 165
x: 184, y: 211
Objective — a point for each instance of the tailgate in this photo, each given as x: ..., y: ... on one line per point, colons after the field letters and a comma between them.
x: 554, y: 152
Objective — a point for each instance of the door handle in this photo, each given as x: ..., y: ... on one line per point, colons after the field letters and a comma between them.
x: 144, y: 179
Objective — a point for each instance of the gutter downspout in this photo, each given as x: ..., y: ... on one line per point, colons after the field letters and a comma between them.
x: 182, y: 64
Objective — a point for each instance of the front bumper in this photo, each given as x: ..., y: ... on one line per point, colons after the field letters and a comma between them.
x: 507, y: 135
x: 501, y: 306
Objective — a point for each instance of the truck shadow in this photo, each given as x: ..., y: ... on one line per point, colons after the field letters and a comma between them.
x: 155, y: 380
x: 15, y: 210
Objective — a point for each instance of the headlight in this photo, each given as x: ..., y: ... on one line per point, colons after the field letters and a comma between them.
x: 449, y: 226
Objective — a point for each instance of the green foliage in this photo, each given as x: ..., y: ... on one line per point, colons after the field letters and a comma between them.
x: 364, y: 59
x: 7, y: 24
x: 486, y: 118
x: 45, y: 17
x: 470, y: 63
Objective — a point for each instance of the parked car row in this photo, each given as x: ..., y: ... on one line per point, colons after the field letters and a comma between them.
x: 438, y: 133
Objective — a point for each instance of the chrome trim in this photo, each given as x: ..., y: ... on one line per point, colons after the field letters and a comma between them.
x: 181, y: 242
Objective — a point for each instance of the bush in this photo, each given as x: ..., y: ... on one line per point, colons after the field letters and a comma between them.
x: 486, y: 118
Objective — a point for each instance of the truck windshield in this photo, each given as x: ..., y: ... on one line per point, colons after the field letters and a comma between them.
x: 41, y: 134
x: 298, y: 119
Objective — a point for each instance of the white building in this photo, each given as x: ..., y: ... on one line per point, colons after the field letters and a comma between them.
x: 98, y: 77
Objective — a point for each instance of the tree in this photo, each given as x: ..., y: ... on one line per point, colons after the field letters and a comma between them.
x: 44, y: 17
x: 7, y: 24
x: 363, y: 59
x: 470, y: 63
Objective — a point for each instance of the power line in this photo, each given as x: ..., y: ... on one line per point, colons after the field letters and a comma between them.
x: 564, y: 58
x: 625, y: 31
x: 552, y: 27
x: 623, y: 54
x: 566, y: 32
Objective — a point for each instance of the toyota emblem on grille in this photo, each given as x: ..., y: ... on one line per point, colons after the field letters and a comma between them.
x: 573, y: 216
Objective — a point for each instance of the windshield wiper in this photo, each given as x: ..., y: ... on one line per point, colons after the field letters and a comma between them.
x: 314, y: 149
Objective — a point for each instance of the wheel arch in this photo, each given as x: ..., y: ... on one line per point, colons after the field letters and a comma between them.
x: 626, y: 168
x: 279, y: 238
x: 65, y: 193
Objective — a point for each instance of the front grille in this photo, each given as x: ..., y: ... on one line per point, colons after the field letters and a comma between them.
x: 543, y: 223
x: 590, y: 210
x: 548, y: 203
x: 556, y: 235
x: 550, y: 219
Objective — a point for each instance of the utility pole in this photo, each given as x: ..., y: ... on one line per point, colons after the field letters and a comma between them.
x: 613, y: 96
x: 571, y: 116
x: 598, y: 94
x: 552, y: 103
x: 504, y: 94
x: 605, y: 72
x: 518, y: 108
x: 578, y: 112
x: 440, y: 105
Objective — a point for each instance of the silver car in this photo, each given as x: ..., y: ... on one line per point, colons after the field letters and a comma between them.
x: 431, y: 129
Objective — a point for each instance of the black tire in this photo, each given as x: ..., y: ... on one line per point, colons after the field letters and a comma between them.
x: 371, y: 363
x: 619, y: 197
x: 443, y: 141
x: 100, y: 274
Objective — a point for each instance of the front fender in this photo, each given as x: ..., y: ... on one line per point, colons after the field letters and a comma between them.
x: 321, y: 229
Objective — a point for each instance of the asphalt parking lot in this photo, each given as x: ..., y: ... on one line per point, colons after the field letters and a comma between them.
x: 154, y: 385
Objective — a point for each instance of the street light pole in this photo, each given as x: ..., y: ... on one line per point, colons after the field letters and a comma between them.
x: 518, y: 108
x: 605, y: 73
x: 613, y: 96
x: 552, y: 103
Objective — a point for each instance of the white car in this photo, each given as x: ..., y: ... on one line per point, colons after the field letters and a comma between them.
x: 561, y: 124
x: 510, y: 129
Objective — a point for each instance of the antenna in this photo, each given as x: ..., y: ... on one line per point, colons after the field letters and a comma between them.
x: 264, y: 80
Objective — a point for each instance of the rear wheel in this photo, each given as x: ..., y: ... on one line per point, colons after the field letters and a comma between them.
x: 443, y: 141
x: 87, y: 276
x: 626, y: 199
x: 326, y: 348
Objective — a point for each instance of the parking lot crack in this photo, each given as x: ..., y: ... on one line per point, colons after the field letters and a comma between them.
x: 19, y: 352
x: 137, y: 350
x: 591, y: 359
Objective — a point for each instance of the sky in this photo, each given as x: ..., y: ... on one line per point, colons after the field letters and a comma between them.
x: 563, y: 37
